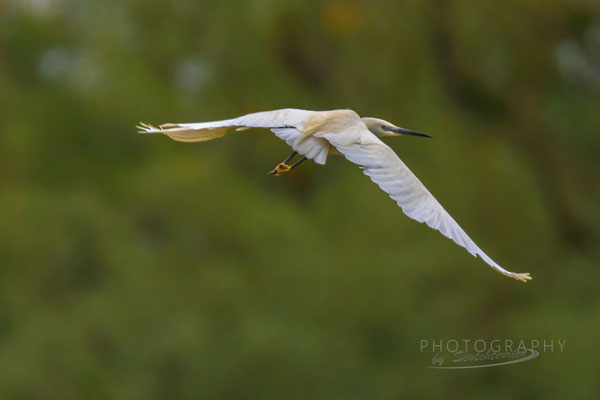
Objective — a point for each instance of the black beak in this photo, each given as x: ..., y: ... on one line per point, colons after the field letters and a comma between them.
x: 402, y: 131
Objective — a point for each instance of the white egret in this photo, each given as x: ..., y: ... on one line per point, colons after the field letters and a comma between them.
x: 316, y: 134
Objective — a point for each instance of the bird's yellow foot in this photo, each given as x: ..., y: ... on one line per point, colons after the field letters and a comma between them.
x: 281, y: 168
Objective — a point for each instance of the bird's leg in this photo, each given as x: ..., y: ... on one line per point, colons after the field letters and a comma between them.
x: 294, y: 165
x: 283, y: 166
x: 289, y: 157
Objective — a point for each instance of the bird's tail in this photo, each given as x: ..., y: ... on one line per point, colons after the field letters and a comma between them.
x: 183, y: 133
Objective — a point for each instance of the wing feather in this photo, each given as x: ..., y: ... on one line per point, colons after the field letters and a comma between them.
x: 287, y: 124
x: 384, y: 167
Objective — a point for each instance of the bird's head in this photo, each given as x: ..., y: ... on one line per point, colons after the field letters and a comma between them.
x: 380, y: 127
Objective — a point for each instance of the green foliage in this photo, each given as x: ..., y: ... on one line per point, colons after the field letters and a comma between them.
x: 136, y: 267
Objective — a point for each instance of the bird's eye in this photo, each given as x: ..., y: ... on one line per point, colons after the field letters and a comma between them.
x: 383, y: 127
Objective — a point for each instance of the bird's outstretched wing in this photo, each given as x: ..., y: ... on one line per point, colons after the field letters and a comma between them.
x: 385, y: 168
x: 287, y: 124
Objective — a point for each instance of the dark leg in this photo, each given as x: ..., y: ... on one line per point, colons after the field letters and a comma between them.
x: 294, y: 165
x: 283, y: 167
x: 289, y: 157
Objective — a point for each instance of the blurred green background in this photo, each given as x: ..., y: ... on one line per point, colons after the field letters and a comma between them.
x: 136, y: 267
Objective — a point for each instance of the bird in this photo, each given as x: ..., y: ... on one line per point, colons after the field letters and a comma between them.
x: 317, y: 134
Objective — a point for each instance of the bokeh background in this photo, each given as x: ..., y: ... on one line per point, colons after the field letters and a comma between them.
x: 136, y: 267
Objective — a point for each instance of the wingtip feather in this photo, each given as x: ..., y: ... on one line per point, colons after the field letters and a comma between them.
x: 523, y: 276
x: 146, y: 128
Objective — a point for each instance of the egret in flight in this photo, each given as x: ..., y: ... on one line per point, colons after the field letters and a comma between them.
x: 316, y: 134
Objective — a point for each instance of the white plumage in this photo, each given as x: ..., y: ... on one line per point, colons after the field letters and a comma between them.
x: 315, y: 134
